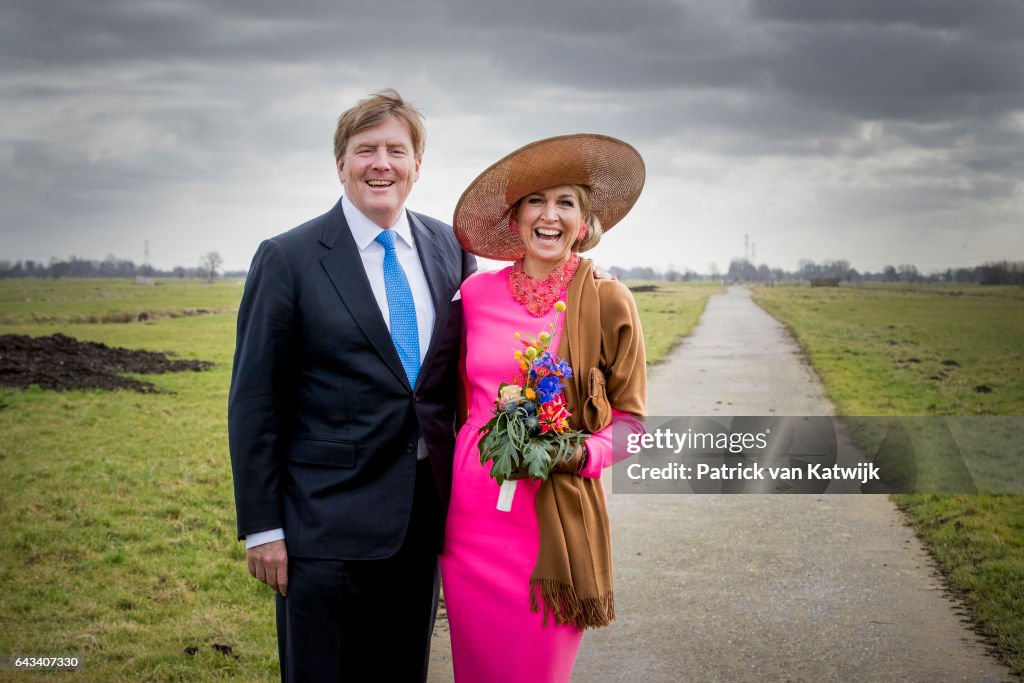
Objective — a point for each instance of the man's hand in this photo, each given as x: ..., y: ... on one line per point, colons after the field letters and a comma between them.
x: 269, y: 564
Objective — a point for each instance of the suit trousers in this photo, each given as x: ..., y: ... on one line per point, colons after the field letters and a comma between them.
x: 365, y: 620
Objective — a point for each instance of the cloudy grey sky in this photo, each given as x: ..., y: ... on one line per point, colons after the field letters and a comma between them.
x: 879, y: 131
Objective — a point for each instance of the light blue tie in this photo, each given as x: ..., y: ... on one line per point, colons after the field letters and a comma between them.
x: 401, y: 309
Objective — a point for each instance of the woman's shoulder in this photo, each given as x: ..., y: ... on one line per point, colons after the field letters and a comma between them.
x: 612, y: 289
x: 616, y: 300
x: 613, y: 293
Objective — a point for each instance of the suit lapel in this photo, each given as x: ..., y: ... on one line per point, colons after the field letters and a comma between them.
x: 434, y: 267
x: 345, y: 270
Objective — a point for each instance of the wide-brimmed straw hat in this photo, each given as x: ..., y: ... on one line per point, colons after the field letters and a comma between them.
x: 611, y: 168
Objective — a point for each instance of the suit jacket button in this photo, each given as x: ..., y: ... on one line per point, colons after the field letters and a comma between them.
x: 410, y: 448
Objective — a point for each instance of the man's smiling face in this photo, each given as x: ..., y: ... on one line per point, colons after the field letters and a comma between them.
x: 378, y: 170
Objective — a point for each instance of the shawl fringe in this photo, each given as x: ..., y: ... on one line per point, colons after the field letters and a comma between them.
x: 561, y: 602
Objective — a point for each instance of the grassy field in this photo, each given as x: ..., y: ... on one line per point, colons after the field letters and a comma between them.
x: 119, y: 539
x: 112, y: 301
x: 119, y: 528
x: 668, y: 311
x: 932, y: 351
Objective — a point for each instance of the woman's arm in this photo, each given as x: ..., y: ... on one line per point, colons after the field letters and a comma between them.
x: 601, y: 450
x: 625, y: 358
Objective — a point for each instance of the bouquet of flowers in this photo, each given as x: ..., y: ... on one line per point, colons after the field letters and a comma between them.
x: 530, y: 432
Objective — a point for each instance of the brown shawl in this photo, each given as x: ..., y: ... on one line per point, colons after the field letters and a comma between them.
x: 604, y: 344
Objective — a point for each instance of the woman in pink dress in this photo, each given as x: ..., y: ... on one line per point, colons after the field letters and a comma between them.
x: 523, y: 576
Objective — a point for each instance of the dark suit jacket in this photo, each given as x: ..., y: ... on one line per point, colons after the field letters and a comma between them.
x: 322, y: 421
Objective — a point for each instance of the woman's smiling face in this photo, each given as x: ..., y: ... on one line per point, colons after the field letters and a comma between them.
x: 550, y: 222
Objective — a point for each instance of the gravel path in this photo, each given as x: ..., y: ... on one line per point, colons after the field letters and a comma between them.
x: 761, y: 587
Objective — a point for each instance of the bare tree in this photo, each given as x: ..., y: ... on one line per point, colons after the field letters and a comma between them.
x: 908, y: 272
x: 208, y: 265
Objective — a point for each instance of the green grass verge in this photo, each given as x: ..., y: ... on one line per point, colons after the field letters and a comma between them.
x: 668, y: 312
x: 887, y: 351
x: 117, y: 510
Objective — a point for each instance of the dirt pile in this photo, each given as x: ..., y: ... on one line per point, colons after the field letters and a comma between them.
x: 60, y: 363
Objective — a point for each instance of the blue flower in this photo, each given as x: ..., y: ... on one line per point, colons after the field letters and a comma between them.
x: 548, y: 388
x: 552, y: 366
x: 565, y: 370
x: 547, y: 362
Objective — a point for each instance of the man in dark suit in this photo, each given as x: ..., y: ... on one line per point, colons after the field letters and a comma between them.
x: 341, y: 411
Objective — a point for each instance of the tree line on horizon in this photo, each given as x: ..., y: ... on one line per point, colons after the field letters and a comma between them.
x: 834, y: 272
x: 740, y: 270
x: 113, y: 267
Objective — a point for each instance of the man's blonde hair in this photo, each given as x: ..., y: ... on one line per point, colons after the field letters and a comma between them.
x: 373, y: 111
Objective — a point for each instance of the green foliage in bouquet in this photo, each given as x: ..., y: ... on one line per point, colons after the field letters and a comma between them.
x: 513, y: 443
x: 530, y: 432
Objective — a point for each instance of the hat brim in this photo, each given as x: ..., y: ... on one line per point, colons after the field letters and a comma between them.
x: 611, y: 168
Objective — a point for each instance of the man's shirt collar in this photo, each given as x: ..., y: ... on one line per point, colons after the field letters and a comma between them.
x: 365, y: 231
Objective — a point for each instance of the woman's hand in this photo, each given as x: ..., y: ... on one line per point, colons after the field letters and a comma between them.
x: 518, y: 472
x: 575, y: 464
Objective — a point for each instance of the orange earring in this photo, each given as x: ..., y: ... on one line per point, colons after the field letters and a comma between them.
x: 513, y: 226
x: 583, y: 232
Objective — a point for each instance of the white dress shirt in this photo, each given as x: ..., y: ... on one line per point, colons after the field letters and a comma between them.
x: 365, y: 232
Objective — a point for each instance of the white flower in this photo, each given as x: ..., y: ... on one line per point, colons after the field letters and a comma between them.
x: 509, y: 392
